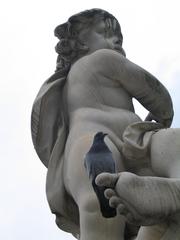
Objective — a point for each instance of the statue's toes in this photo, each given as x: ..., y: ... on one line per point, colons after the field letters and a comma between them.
x: 107, y: 179
x: 121, y: 209
x: 114, y: 201
x: 130, y: 213
x: 108, y: 193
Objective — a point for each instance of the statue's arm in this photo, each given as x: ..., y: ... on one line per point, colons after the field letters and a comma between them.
x: 139, y: 83
x: 158, y: 100
x: 148, y: 90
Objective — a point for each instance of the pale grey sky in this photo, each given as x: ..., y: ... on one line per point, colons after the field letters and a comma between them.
x: 151, y: 39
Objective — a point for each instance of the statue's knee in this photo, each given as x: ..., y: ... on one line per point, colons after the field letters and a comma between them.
x: 88, y: 202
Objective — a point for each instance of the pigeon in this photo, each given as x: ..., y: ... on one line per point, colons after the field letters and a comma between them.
x: 97, y: 160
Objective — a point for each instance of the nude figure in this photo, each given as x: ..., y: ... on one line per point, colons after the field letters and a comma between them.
x: 91, y: 91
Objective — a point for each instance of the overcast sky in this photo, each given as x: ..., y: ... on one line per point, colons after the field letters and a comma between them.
x: 27, y: 58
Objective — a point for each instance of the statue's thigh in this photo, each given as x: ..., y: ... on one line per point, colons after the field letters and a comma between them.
x: 152, y: 232
x: 165, y: 152
x: 77, y: 183
x: 76, y: 179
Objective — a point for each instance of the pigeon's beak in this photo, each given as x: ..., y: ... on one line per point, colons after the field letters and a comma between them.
x: 105, y: 134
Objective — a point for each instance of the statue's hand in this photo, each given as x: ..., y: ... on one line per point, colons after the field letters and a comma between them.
x: 165, y: 122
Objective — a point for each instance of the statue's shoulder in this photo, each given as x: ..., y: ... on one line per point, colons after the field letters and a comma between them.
x: 100, y: 57
x: 104, y: 55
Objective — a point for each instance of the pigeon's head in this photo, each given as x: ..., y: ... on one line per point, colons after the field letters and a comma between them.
x: 99, y: 136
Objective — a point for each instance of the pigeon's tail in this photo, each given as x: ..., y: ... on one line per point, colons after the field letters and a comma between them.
x: 106, y: 210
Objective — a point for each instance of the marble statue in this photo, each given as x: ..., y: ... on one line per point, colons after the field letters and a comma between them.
x: 91, y: 91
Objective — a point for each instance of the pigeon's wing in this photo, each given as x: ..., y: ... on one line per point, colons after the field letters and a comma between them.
x: 96, y: 163
x: 103, y: 162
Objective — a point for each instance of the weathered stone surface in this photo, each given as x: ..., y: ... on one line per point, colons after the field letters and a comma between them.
x: 91, y: 91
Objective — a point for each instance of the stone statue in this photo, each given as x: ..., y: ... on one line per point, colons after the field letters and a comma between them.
x: 91, y: 91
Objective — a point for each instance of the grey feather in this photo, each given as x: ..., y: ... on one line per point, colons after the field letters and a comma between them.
x: 99, y: 159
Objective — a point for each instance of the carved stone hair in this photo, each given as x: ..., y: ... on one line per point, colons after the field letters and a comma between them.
x: 69, y: 48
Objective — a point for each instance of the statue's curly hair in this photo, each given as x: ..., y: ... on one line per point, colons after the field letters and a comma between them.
x: 69, y: 47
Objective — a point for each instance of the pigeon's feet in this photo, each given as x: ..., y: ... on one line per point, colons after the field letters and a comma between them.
x: 142, y: 200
